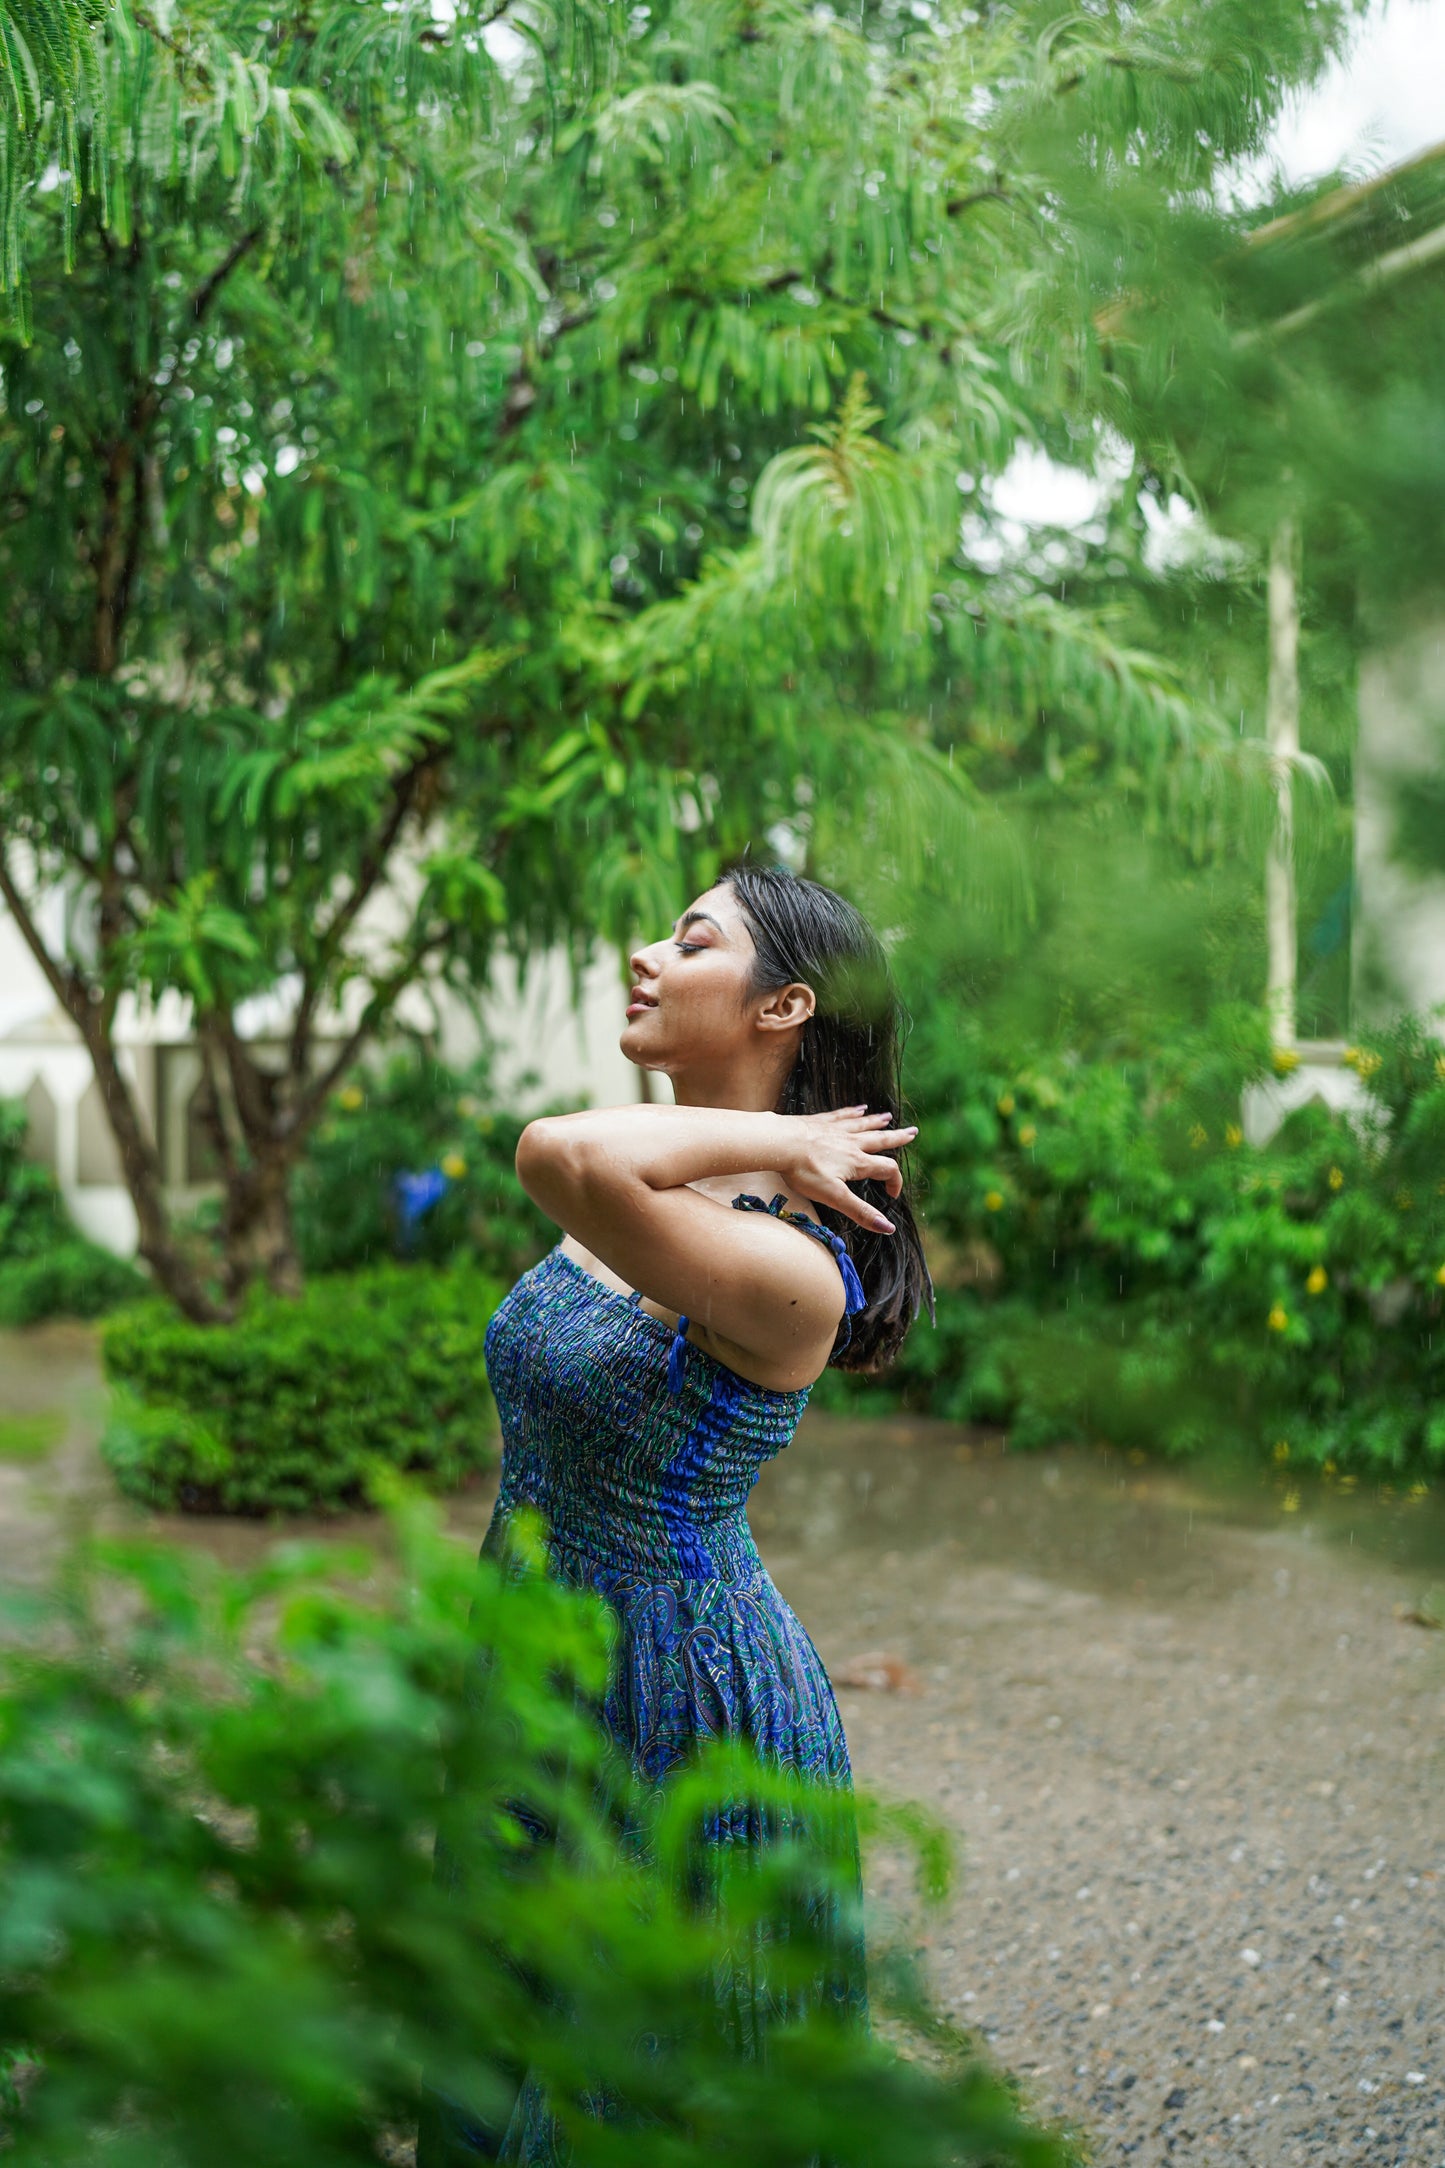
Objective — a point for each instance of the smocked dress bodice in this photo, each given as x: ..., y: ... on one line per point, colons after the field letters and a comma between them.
x: 627, y: 1473
x: 637, y: 1447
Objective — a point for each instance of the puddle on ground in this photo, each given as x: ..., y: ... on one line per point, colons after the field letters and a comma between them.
x: 1084, y: 1517
x: 1087, y: 1516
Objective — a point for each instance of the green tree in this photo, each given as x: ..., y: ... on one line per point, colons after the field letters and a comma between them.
x: 468, y: 477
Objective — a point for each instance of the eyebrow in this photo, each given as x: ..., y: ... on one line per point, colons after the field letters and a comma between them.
x: 692, y: 918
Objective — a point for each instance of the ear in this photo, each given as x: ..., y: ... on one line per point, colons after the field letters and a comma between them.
x: 787, y: 1008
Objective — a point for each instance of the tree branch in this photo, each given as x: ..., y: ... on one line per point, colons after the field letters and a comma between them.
x: 384, y: 998
x: 957, y: 205
x: 220, y: 1112
x: 370, y: 870
x: 70, y: 990
x: 123, y: 527
x: 209, y: 287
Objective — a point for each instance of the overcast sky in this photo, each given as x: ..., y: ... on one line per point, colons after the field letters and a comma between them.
x: 1383, y: 101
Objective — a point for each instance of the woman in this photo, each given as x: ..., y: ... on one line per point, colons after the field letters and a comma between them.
x: 666, y: 1347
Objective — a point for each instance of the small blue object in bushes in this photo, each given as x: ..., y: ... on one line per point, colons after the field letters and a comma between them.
x: 415, y: 1196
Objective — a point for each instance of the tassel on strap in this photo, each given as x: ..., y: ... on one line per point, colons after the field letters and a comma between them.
x: 677, y: 1357
x: 854, y: 1298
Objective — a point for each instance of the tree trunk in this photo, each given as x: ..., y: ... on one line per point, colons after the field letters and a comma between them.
x: 174, y: 1270
x: 257, y: 1236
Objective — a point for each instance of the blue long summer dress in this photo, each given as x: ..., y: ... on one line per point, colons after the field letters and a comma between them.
x: 639, y: 1450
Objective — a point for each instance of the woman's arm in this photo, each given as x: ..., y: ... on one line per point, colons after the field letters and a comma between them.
x: 617, y: 1178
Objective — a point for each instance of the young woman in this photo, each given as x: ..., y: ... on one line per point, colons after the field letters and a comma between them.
x: 717, y: 1255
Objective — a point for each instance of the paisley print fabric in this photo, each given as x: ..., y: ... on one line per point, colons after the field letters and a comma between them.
x: 639, y: 1449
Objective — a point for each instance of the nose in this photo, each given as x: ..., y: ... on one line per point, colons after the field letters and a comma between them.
x: 641, y: 962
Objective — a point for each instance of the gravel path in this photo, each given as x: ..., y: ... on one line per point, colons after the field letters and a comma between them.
x: 1190, y: 1748
x: 1194, y: 1758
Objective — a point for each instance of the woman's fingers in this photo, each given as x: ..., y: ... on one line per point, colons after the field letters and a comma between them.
x: 840, y: 1198
x: 890, y: 1140
x: 886, y: 1171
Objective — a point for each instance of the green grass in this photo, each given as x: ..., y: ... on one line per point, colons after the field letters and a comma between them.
x: 31, y: 1437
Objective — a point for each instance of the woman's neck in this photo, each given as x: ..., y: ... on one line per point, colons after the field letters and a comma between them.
x: 745, y: 1085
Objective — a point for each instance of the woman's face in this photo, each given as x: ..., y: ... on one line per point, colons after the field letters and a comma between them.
x: 691, y: 1004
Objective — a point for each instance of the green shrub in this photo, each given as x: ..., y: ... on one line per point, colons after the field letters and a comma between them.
x: 1114, y: 1261
x: 283, y: 1410
x: 416, y: 1116
x: 46, y: 1268
x: 75, y: 1279
x: 223, y: 1945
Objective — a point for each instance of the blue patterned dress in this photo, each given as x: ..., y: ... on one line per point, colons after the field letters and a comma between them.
x: 639, y: 1449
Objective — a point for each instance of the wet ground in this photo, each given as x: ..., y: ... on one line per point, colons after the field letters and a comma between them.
x: 1185, y: 1728
x: 1194, y: 1751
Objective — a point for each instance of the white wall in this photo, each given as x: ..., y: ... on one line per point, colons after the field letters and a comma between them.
x: 1398, y: 948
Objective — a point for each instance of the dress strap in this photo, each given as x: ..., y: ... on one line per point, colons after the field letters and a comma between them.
x: 854, y: 1299
x: 854, y: 1296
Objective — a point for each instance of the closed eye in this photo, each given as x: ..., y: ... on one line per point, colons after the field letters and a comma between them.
x: 690, y: 948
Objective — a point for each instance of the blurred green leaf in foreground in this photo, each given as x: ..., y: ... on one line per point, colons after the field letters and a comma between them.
x: 222, y: 1942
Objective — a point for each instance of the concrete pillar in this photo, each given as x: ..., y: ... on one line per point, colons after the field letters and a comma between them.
x: 1282, y: 733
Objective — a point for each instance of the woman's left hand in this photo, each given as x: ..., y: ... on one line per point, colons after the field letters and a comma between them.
x: 825, y: 1152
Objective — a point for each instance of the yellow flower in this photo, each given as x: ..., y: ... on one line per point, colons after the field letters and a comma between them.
x: 1347, y: 1482
x: 1440, y: 1067
x: 1419, y: 1490
x: 1291, y: 1501
x: 1005, y: 1103
x: 1281, y: 1451
x: 1329, y: 1467
x: 453, y: 1166
x: 1318, y: 1280
x: 1278, y: 1318
x: 993, y: 1201
x: 1366, y: 1063
x: 1285, y: 1058
x: 1337, y: 1179
x: 1027, y: 1134
x: 1440, y: 1277
x: 1233, y: 1134
x: 1199, y: 1136
x: 351, y: 1096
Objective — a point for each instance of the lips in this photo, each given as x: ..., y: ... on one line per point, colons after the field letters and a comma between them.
x: 638, y: 1001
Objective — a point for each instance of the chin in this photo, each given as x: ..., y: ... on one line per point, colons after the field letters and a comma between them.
x: 632, y: 1041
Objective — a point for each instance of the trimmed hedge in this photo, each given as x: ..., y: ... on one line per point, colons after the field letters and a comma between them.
x: 284, y: 1411
x: 75, y: 1278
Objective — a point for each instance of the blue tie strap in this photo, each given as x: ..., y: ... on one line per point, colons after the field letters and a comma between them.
x: 854, y: 1295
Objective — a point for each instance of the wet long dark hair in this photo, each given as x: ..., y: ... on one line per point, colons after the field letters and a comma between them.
x: 851, y: 1051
